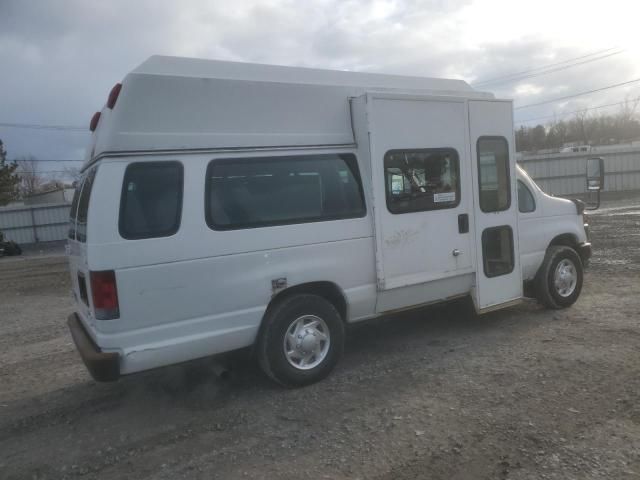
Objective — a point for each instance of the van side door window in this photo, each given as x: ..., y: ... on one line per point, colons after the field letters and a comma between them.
x: 422, y: 180
x: 151, y: 201
x: 495, y: 196
x: 493, y: 174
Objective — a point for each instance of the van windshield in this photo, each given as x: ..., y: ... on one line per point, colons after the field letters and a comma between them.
x: 523, y: 173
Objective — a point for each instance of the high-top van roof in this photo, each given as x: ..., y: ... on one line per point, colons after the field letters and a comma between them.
x: 172, y: 104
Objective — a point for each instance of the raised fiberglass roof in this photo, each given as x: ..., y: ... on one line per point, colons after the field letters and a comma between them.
x: 173, y: 103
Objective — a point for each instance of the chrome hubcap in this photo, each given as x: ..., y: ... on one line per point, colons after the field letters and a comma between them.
x: 306, y: 342
x: 565, y: 278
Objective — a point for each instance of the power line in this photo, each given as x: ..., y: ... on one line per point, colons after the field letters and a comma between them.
x: 551, y: 70
x: 544, y: 102
x: 42, y: 126
x: 490, y: 80
x: 38, y: 160
x: 41, y: 172
x: 578, y: 111
x: 47, y: 171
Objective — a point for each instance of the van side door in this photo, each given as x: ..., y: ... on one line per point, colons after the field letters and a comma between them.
x: 498, y: 275
x: 422, y: 198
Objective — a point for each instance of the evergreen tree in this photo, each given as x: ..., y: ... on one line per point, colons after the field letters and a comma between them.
x: 9, y: 179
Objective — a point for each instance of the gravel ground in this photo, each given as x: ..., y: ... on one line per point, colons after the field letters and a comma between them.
x: 436, y: 393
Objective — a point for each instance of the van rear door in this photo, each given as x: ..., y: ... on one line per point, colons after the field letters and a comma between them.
x: 77, y: 243
x: 498, y: 275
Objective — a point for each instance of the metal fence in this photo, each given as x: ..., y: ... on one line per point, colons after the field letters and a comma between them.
x: 37, y: 223
x: 565, y: 173
x: 556, y: 173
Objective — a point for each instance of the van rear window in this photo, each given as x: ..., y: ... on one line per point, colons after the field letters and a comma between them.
x: 85, y: 196
x: 151, y: 202
x: 260, y: 192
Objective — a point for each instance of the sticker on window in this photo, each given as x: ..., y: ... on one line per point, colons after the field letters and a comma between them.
x: 444, y: 197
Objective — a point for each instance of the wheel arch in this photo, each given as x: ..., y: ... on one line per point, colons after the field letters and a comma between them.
x: 564, y: 239
x: 325, y: 289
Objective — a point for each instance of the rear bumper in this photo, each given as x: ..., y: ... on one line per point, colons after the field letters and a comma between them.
x: 584, y: 250
x: 103, y: 366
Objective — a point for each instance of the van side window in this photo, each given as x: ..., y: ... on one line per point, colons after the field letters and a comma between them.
x: 419, y: 180
x: 73, y: 211
x: 151, y: 202
x: 79, y: 223
x: 493, y: 174
x: 260, y: 192
x: 526, y: 202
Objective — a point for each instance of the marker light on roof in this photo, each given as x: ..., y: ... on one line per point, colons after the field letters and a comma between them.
x: 113, y: 95
x: 94, y: 121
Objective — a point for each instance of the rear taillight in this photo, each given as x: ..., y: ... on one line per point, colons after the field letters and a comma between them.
x: 113, y: 95
x: 94, y: 121
x: 105, y: 295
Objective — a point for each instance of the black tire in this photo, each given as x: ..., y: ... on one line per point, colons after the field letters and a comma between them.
x: 546, y: 291
x: 278, y: 320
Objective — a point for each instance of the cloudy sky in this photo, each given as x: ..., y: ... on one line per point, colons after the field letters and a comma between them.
x: 59, y: 58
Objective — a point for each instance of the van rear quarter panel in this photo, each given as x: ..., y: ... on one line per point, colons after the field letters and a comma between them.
x: 206, y: 283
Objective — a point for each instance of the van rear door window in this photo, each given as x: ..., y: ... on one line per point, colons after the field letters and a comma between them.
x: 258, y: 192
x: 151, y: 203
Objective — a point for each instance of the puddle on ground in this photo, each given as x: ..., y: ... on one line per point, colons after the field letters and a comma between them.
x: 632, y: 212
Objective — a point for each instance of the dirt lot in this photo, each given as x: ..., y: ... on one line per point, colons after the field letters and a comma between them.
x: 438, y: 394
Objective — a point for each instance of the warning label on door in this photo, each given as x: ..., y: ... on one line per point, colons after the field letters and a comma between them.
x: 444, y: 197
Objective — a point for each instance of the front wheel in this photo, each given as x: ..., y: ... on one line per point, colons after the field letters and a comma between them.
x: 559, y: 280
x: 301, y: 340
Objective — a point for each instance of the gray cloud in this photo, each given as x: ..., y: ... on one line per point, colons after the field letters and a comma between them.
x: 60, y: 58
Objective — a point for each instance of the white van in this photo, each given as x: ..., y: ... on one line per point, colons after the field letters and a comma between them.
x: 226, y: 205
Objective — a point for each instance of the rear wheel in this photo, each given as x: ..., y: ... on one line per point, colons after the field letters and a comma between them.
x: 301, y: 340
x: 559, y: 280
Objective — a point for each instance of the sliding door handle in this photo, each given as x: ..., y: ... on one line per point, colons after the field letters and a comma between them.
x: 463, y: 223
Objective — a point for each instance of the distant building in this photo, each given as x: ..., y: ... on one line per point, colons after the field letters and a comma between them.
x: 59, y: 195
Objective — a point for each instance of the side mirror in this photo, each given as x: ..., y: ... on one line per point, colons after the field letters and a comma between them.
x: 595, y: 180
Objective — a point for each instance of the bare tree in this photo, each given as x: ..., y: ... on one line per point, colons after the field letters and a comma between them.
x: 581, y: 120
x: 30, y: 178
x: 71, y: 175
x: 626, y: 121
x: 584, y: 129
